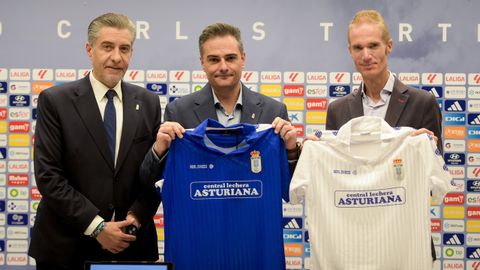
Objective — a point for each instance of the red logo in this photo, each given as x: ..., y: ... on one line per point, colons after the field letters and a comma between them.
x: 3, y: 113
x: 476, y: 78
x: 35, y: 194
x: 291, y: 90
x: 300, y: 130
x: 156, y: 76
x: 133, y: 74
x: 159, y: 221
x: 476, y: 172
x: 339, y: 77
x: 18, y: 179
x: 436, y: 225
x: 19, y: 127
x: 454, y: 199
x: 476, y: 265
x: 473, y: 212
x: 431, y: 77
x: 41, y: 73
x: 316, y: 104
x: 179, y: 75
x: 247, y: 76
x: 293, y: 76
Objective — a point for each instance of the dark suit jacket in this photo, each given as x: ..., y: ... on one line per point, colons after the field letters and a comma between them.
x: 194, y: 108
x: 77, y: 179
x: 408, y: 106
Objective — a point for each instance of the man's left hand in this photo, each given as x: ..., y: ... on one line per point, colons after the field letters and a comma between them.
x: 424, y: 130
x: 286, y: 131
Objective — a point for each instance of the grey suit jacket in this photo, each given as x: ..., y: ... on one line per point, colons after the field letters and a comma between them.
x: 76, y: 176
x: 194, y: 108
x: 408, y: 106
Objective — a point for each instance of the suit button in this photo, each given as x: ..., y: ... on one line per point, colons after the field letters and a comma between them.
x: 110, y: 206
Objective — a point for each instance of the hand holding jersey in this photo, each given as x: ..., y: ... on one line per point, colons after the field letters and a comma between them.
x: 222, y: 197
x: 367, y: 191
x: 170, y: 130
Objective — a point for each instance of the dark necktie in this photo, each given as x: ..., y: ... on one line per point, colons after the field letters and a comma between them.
x: 110, y: 122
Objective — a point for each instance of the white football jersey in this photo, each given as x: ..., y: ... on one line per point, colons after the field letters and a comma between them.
x: 367, y: 193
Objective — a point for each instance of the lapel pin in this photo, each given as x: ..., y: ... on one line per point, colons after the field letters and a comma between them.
x: 137, y: 107
x: 253, y: 116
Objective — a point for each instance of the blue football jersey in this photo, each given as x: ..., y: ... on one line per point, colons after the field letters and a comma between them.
x: 222, y: 198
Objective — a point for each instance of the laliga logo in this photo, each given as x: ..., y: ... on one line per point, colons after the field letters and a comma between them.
x: 179, y: 75
x: 247, y: 76
x: 133, y: 74
x: 339, y: 77
x: 41, y: 73
x: 476, y: 265
x: 431, y: 77
x: 476, y: 78
x: 293, y: 76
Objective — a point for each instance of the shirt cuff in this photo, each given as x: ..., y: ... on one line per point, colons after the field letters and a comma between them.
x: 97, y: 220
x: 159, y: 159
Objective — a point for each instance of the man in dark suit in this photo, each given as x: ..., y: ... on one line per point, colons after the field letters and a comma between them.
x: 224, y: 98
x: 90, y: 139
x: 381, y: 93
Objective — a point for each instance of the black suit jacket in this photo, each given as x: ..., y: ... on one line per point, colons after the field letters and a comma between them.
x: 194, y: 108
x: 408, y: 107
x: 77, y: 179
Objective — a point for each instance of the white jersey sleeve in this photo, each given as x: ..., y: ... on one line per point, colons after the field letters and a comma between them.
x: 302, y: 175
x: 439, y: 178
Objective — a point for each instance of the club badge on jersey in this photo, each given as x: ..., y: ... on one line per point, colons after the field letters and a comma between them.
x: 398, y: 169
x: 255, y: 161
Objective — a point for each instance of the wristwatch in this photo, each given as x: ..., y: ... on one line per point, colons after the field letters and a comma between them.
x: 294, y: 153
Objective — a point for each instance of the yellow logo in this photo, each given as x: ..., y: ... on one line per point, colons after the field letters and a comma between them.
x: 19, y: 140
x: 3, y: 127
x: 294, y: 104
x: 473, y: 225
x: 271, y: 90
x: 453, y: 212
x: 160, y: 234
x: 316, y: 118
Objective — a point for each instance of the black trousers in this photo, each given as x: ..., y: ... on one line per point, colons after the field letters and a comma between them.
x: 49, y: 266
